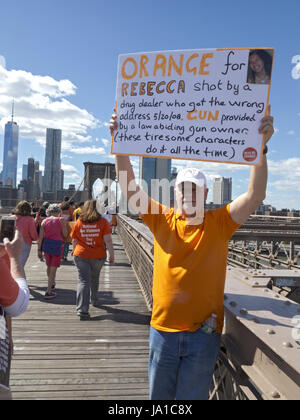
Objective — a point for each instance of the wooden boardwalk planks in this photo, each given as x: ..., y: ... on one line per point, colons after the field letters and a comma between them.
x: 57, y: 356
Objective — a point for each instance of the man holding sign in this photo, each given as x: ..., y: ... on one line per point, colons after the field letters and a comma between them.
x: 190, y: 259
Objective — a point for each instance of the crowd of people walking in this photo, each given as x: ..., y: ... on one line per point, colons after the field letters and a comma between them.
x: 53, y: 227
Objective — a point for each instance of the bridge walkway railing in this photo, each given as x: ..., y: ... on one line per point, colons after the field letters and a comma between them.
x: 260, y: 355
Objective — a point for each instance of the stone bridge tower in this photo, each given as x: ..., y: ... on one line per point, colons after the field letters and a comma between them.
x: 93, y: 171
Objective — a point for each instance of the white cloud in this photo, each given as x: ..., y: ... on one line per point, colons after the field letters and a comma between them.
x: 105, y: 142
x: 41, y: 102
x: 288, y: 172
x: 92, y: 150
x: 68, y: 168
x: 285, y: 184
x: 287, y: 167
x: 291, y: 132
x: 2, y: 61
x: 72, y: 178
x: 296, y: 69
x: 19, y: 83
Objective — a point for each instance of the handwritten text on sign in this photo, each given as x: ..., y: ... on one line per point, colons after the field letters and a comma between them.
x: 191, y: 104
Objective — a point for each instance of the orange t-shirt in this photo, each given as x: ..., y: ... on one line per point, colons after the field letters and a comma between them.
x: 189, y: 269
x: 89, y: 236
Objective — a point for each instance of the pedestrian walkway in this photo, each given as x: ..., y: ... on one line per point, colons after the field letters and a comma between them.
x: 57, y: 356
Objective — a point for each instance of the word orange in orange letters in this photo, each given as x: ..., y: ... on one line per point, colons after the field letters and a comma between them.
x: 165, y: 65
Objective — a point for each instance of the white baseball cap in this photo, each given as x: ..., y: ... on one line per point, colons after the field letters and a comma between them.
x: 191, y: 175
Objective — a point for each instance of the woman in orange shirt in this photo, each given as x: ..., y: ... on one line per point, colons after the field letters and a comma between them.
x: 90, y: 235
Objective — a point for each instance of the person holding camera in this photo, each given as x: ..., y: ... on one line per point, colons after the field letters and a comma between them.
x: 14, y: 298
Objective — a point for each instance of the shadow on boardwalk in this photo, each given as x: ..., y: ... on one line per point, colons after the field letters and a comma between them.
x: 57, y: 356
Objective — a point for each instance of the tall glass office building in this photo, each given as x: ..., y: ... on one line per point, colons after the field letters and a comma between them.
x: 10, y: 154
x: 52, y: 174
x: 159, y: 169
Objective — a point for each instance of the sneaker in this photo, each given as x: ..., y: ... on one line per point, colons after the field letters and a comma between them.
x: 53, y: 287
x: 50, y: 295
x: 84, y: 316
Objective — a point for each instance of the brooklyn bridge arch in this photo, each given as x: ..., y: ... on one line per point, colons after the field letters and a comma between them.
x: 94, y: 171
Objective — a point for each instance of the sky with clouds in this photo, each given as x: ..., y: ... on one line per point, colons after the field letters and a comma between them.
x: 58, y: 60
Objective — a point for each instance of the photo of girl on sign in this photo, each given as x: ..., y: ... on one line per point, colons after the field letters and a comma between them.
x: 260, y: 66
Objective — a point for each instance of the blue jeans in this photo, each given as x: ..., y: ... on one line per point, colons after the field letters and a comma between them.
x: 181, y: 364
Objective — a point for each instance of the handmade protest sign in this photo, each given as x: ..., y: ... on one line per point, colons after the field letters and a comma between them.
x: 193, y: 104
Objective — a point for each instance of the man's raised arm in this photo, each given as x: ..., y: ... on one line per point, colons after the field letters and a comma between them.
x: 126, y: 177
x: 245, y: 204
